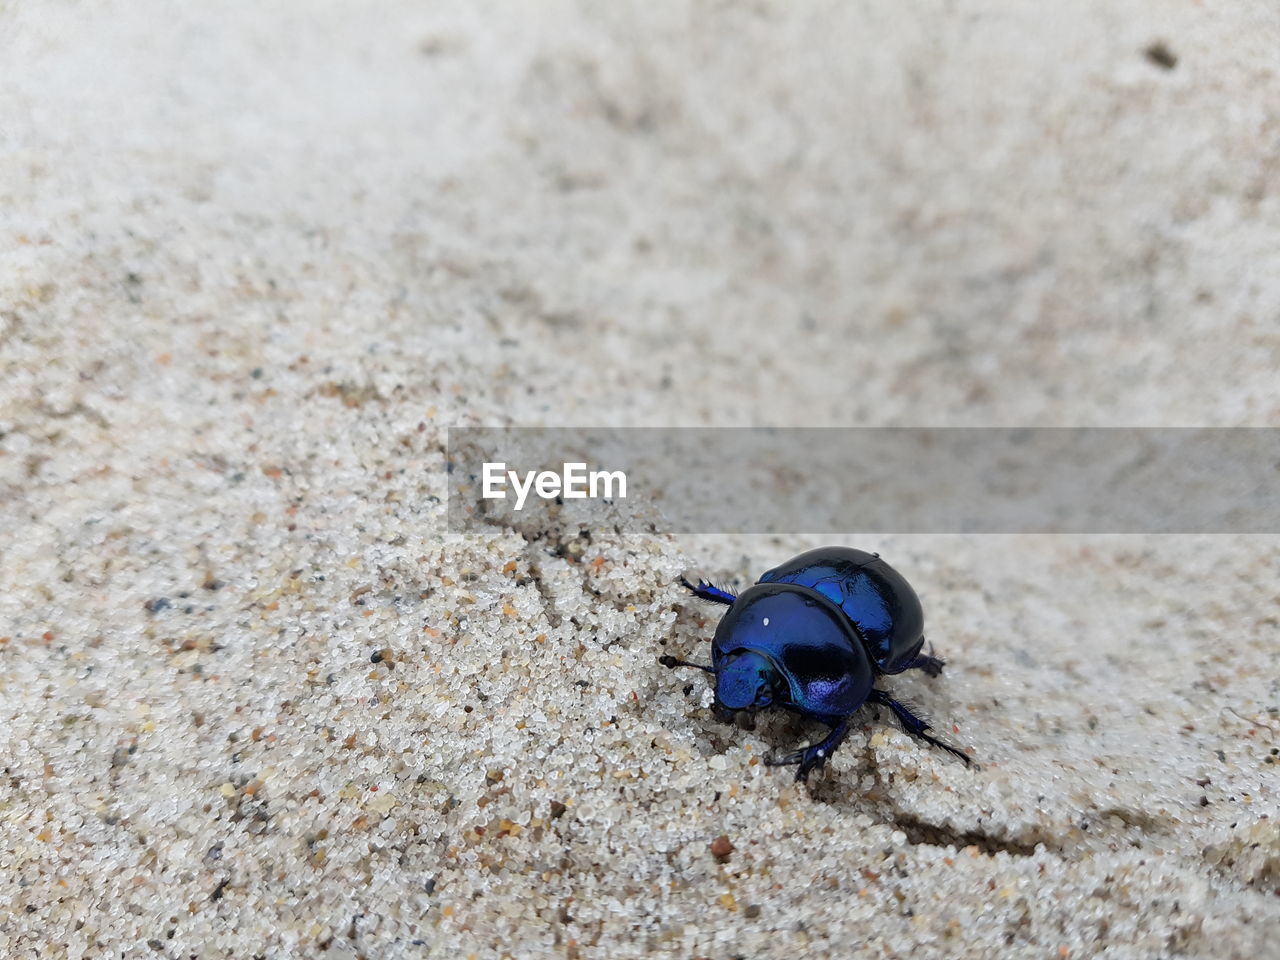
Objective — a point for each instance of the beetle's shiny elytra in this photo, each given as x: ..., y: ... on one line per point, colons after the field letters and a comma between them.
x: 812, y: 636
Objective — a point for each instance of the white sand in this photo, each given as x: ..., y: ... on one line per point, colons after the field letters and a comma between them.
x: 253, y: 264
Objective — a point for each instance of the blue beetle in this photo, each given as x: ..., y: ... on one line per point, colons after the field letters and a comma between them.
x: 812, y: 636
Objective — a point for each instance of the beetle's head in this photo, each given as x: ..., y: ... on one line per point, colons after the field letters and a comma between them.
x: 744, y: 684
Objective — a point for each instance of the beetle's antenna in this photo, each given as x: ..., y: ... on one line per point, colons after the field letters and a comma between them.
x: 672, y: 662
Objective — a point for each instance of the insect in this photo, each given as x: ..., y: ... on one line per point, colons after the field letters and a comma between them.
x: 813, y: 636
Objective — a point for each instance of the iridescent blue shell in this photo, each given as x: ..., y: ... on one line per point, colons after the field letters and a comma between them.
x: 797, y: 641
x: 881, y: 606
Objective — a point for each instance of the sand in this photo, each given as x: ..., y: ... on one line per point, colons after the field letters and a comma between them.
x: 256, y: 700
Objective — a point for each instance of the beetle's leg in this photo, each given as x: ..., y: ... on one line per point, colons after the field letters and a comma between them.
x: 705, y: 591
x: 813, y: 756
x: 930, y: 665
x: 672, y: 662
x: 913, y: 724
x: 927, y: 662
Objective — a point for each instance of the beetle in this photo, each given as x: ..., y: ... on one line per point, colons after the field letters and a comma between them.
x: 813, y: 636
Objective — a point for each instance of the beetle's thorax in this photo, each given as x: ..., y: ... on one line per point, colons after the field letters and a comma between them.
x: 787, y: 645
